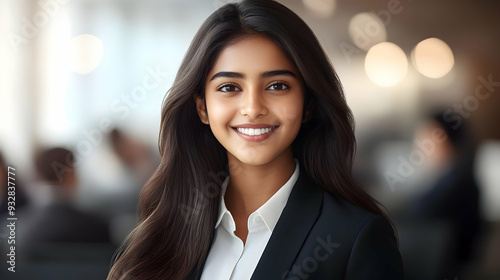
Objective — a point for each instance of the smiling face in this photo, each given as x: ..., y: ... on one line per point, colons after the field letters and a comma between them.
x: 254, y: 98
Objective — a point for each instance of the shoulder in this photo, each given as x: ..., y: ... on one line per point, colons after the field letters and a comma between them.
x: 324, y: 236
x: 332, y: 208
x: 338, y: 209
x: 367, y: 245
x: 329, y: 210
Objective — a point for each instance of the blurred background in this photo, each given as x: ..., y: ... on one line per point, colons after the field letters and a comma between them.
x: 82, y: 81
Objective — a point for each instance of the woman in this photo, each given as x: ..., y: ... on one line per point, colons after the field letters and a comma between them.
x: 255, y: 180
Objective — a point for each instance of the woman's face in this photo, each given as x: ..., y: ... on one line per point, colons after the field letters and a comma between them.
x: 254, y: 101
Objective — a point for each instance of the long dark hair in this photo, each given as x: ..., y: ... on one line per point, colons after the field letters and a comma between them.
x: 180, y: 202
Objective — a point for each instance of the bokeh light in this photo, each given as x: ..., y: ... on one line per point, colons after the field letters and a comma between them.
x: 86, y: 52
x: 367, y: 30
x: 433, y: 58
x: 386, y: 64
x: 323, y: 8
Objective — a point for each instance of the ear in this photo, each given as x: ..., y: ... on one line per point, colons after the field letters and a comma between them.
x: 201, y: 108
x: 308, y: 112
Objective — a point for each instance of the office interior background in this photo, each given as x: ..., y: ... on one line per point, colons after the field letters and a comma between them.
x: 90, y: 76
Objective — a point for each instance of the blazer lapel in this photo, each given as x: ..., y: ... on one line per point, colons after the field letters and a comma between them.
x: 296, y: 220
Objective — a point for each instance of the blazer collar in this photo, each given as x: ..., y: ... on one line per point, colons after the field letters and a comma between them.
x: 297, y: 219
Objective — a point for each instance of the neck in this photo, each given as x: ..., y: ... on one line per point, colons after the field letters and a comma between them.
x: 252, y: 185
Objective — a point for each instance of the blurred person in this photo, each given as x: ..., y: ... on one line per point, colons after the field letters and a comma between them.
x: 138, y: 162
x: 135, y: 155
x: 112, y: 176
x: 59, y: 220
x: 453, y: 197
x: 135, y: 164
x: 255, y: 180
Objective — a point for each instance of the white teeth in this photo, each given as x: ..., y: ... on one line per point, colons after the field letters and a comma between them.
x: 256, y: 131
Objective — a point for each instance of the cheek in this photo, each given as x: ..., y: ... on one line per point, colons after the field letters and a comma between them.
x: 219, y: 113
x: 291, y: 111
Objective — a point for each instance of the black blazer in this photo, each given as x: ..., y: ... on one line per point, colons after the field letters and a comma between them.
x: 323, y: 236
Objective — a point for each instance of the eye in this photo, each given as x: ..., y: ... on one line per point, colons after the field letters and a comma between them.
x: 228, y: 88
x: 278, y: 86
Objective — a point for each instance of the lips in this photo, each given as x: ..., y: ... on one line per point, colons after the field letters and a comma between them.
x: 255, y: 132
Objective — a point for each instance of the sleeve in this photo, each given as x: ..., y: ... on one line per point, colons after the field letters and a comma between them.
x: 375, y: 253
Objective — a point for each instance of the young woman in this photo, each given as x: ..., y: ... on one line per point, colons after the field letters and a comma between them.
x: 255, y: 180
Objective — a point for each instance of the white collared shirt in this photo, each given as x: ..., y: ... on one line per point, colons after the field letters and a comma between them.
x: 229, y: 258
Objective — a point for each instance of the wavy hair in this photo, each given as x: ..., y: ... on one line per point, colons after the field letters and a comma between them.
x: 180, y: 202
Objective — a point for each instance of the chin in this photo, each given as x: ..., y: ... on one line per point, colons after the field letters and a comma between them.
x: 251, y: 159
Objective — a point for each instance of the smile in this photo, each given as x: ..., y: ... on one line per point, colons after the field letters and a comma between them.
x: 255, y: 131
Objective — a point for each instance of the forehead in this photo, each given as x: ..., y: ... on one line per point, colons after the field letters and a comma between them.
x: 255, y: 53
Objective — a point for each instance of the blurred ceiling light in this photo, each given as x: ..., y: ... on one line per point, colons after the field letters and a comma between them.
x: 367, y: 30
x: 323, y: 8
x: 433, y: 58
x: 85, y: 53
x: 386, y: 64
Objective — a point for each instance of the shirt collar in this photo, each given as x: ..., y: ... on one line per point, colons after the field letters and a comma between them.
x: 270, y: 211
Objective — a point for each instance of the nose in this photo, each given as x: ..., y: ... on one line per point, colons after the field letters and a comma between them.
x: 253, y: 104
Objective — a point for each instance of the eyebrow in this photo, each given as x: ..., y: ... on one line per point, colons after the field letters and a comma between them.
x: 267, y: 74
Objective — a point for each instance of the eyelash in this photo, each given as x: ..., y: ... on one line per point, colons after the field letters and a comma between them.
x: 279, y: 83
x: 225, y: 85
x: 273, y: 84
